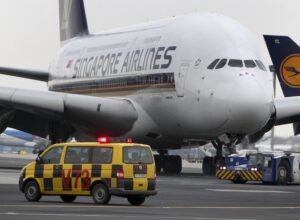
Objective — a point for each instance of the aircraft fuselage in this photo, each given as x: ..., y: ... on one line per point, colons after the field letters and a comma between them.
x: 162, y: 67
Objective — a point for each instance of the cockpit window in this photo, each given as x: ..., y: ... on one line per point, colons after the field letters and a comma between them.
x: 213, y: 64
x: 221, y: 64
x: 260, y: 65
x: 235, y: 63
x: 249, y: 63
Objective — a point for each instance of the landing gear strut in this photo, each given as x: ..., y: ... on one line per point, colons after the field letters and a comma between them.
x: 59, y: 132
x: 211, y: 164
x: 170, y: 164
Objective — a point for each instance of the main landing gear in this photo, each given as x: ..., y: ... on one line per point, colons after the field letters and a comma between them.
x: 211, y: 164
x: 169, y: 164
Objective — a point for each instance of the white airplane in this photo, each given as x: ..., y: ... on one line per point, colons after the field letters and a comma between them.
x: 12, y: 141
x: 169, y: 83
x: 15, y: 138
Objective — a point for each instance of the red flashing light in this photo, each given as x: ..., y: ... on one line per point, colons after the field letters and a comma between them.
x: 102, y: 140
x: 105, y: 140
x: 129, y: 140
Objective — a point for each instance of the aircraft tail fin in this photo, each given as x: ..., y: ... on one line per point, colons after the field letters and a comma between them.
x: 72, y: 19
x: 285, y: 55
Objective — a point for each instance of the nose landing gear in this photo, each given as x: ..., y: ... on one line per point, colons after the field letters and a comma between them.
x: 211, y: 164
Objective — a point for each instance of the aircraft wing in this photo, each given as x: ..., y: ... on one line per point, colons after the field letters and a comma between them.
x: 31, y: 111
x: 6, y: 140
x: 288, y: 111
x: 24, y: 73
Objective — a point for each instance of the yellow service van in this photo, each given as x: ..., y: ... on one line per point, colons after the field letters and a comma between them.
x: 99, y: 170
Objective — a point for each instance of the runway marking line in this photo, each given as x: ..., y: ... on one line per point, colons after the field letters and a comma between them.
x: 249, y: 191
x: 115, y: 216
x: 152, y: 207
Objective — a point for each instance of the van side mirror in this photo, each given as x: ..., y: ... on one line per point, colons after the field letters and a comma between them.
x: 40, y: 152
x: 38, y: 160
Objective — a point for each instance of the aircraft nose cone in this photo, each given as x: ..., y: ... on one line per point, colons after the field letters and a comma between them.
x: 250, y: 108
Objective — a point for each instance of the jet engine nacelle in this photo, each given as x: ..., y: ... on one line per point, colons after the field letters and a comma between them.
x: 253, y: 138
x: 105, y: 116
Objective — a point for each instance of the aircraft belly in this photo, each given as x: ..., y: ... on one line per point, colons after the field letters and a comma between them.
x: 172, y: 116
x: 155, y: 115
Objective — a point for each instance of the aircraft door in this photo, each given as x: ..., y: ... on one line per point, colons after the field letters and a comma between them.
x: 180, y: 79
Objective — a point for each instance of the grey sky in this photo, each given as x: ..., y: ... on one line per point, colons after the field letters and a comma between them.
x: 30, y: 38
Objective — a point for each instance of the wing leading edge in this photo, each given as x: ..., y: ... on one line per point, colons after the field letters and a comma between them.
x: 91, y: 114
x: 25, y: 73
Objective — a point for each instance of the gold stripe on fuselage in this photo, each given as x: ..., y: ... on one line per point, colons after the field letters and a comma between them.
x: 123, y: 90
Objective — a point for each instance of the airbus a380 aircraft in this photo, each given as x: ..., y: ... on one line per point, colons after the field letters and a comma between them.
x: 188, y: 79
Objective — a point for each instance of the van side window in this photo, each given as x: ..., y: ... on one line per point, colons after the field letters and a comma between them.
x: 52, y: 156
x: 268, y: 162
x: 102, y: 155
x: 77, y: 155
x: 137, y: 155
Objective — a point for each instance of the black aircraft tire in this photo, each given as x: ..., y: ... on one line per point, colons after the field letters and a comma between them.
x: 136, y: 200
x: 177, y: 161
x: 209, y: 166
x: 158, y: 163
x: 206, y: 165
x: 68, y: 198
x: 172, y: 164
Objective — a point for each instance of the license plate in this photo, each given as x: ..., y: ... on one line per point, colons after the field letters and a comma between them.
x: 239, y: 168
x: 140, y: 175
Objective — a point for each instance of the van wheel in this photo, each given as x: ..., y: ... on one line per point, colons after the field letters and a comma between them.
x: 283, y: 173
x: 136, y: 200
x: 101, y: 194
x: 68, y: 198
x: 32, y: 191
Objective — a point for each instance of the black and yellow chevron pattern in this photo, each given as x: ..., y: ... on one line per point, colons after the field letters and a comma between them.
x: 238, y: 174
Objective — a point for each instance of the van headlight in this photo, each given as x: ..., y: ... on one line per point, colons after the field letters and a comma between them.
x: 253, y: 169
x: 22, y: 174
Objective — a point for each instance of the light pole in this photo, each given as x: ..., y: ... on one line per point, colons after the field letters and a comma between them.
x: 272, y: 70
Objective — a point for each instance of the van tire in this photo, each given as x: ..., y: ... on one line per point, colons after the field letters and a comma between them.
x: 32, y: 191
x: 68, y: 198
x: 136, y: 200
x: 101, y: 194
x: 283, y: 173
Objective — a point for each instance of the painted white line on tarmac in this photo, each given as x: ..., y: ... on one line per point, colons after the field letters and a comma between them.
x: 115, y: 216
x: 248, y: 191
x: 92, y: 206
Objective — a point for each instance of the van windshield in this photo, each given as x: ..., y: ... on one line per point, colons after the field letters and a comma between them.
x: 137, y: 155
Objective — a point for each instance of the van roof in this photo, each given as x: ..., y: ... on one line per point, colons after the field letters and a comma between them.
x: 97, y: 144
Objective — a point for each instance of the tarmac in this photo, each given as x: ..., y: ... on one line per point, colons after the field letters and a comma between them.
x: 189, y: 196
